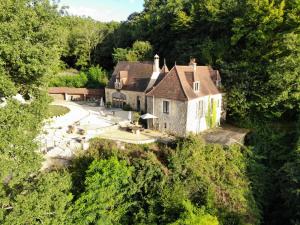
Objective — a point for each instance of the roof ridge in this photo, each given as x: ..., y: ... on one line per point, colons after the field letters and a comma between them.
x: 181, y: 85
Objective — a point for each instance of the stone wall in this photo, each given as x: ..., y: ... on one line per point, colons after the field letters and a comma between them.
x: 172, y: 123
x: 131, y: 98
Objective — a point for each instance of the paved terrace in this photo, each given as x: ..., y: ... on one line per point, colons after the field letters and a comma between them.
x: 59, y: 145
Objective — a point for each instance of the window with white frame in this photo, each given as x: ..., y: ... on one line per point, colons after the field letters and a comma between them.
x: 166, y: 107
x: 196, y: 86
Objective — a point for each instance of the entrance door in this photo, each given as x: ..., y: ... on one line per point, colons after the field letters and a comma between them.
x: 118, y: 99
x: 118, y: 103
x: 138, y: 103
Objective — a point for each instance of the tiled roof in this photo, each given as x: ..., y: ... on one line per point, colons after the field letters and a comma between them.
x: 75, y: 91
x: 139, y: 74
x: 170, y: 87
x: 178, y: 83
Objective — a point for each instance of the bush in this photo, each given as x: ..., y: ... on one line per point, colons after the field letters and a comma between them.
x: 127, y: 107
x: 97, y: 77
x: 94, y: 77
x: 77, y: 81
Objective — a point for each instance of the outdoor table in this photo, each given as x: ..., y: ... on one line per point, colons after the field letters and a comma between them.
x: 136, y: 129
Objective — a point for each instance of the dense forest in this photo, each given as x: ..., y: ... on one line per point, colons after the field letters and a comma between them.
x: 256, y: 46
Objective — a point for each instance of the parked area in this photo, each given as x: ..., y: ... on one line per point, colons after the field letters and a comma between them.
x: 225, y: 135
x: 63, y: 136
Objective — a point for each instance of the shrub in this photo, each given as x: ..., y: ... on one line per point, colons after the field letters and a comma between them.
x: 94, y: 77
x: 97, y: 77
x: 127, y: 107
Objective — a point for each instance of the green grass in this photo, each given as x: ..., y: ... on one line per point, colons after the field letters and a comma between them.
x: 57, y: 110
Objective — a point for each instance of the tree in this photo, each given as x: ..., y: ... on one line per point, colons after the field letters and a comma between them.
x: 29, y: 52
x: 195, y: 216
x: 97, y: 77
x: 107, y: 193
x: 140, y: 51
x: 43, y: 199
x: 29, y: 40
x: 254, y: 43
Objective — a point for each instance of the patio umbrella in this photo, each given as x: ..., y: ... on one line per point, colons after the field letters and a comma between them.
x: 148, y: 116
x: 130, y: 116
x: 101, y: 102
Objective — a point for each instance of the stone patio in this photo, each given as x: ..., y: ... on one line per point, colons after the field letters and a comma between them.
x: 88, y: 121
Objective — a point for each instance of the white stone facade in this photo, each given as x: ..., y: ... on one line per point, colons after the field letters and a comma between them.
x: 196, y: 120
x: 184, y: 117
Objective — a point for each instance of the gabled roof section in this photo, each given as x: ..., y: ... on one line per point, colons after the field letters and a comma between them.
x: 169, y: 87
x: 138, y: 75
x: 178, y: 83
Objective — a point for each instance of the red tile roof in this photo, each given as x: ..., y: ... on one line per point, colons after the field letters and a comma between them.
x: 76, y: 91
x: 178, y: 83
x: 138, y: 73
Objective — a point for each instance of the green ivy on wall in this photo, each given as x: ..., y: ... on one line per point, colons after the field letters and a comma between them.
x: 214, y: 114
x: 211, y: 115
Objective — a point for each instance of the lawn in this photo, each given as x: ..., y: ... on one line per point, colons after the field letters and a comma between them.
x: 57, y: 110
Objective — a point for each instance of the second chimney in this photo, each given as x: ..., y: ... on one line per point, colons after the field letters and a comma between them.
x: 156, y: 64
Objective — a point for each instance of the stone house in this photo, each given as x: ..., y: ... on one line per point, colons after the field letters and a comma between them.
x: 185, y: 99
x: 130, y: 81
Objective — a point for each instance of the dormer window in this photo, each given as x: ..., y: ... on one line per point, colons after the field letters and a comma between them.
x: 196, y: 86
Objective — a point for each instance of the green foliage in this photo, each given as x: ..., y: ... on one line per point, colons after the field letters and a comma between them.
x: 97, y: 77
x: 136, y: 116
x: 214, y: 114
x: 171, y: 186
x: 43, y: 199
x: 208, y: 114
x: 140, y: 51
x: 218, y: 178
x: 86, y: 42
x: 29, y: 53
x: 78, y: 81
x: 7, y: 87
x: 255, y: 45
x: 211, y: 114
x: 127, y: 107
x: 195, y: 216
x: 29, y: 40
x: 107, y: 193
x: 81, y: 38
x: 274, y: 171
x: 94, y: 77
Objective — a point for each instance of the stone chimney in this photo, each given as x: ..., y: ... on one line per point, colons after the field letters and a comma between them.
x: 156, y: 64
x: 194, y: 65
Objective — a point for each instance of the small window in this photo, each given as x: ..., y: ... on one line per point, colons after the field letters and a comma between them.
x: 165, y: 125
x: 197, y: 86
x: 166, y: 107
